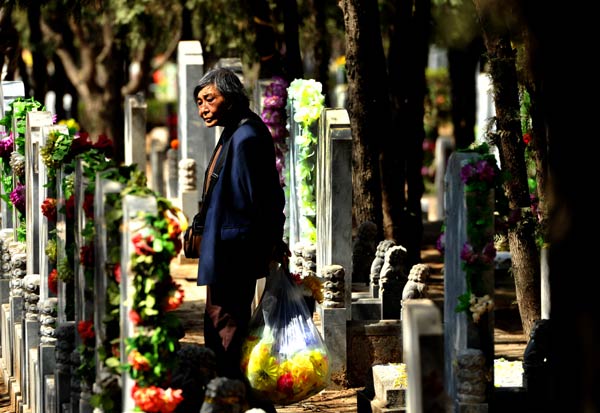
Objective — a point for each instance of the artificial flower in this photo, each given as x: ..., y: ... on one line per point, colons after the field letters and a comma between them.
x: 88, y: 206
x: 175, y: 297
x: 7, y: 144
x: 70, y: 207
x: 86, y: 255
x: 49, y: 209
x: 17, y: 197
x: 53, y: 281
x: 138, y: 361
x: 143, y: 242
x: 263, y: 369
x: 153, y: 399
x: 285, y: 378
x: 134, y: 316
x: 85, y: 328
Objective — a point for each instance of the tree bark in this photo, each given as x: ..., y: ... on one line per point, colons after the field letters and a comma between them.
x: 462, y: 67
x: 508, y: 139
x: 368, y: 106
x: 403, y: 185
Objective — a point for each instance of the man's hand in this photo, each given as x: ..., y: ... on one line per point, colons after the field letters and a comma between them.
x: 281, y: 253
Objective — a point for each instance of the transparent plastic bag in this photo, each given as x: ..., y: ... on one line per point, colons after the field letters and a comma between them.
x: 284, y: 356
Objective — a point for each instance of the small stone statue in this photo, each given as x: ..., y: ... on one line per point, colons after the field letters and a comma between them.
x: 187, y: 174
x: 471, y: 377
x: 393, y: 265
x: 333, y: 286
x: 377, y: 263
x: 415, y: 286
x: 224, y: 395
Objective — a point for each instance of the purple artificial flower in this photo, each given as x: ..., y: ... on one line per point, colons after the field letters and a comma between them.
x: 6, y: 145
x: 277, y: 88
x: 467, y: 172
x: 489, y: 253
x: 278, y: 131
x: 17, y: 197
x: 467, y: 254
x: 440, y: 243
x: 485, y: 171
x: 274, y: 102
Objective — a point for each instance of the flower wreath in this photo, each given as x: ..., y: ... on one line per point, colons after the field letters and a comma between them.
x: 478, y: 252
x: 152, y: 350
x: 307, y: 102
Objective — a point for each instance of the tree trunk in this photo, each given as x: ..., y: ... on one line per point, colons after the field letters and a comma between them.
x: 9, y: 43
x: 322, y: 48
x: 569, y: 99
x: 292, y: 60
x: 368, y: 106
x: 462, y: 67
x: 266, y: 42
x: 508, y: 139
x: 403, y: 149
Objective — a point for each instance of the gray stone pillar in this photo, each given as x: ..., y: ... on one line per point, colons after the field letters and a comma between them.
x: 460, y: 330
x: 9, y: 91
x: 196, y: 141
x: 423, y: 352
x: 135, y: 131
x: 334, y: 196
x: 35, y: 122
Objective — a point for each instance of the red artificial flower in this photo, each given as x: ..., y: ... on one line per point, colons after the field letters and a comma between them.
x: 49, y: 209
x: 117, y: 272
x: 296, y: 278
x: 153, y: 399
x: 135, y: 317
x: 104, y: 144
x: 143, y: 244
x: 86, y: 256
x: 116, y: 350
x: 85, y: 328
x: 285, y: 383
x: 88, y: 206
x: 138, y: 361
x: 81, y: 143
x: 175, y: 298
x: 53, y: 281
x: 70, y: 207
x: 526, y: 138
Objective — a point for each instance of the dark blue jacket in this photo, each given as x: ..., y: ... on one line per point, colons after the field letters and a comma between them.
x: 245, y: 215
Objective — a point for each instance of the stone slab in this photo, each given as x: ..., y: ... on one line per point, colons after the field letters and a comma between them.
x: 386, y: 379
x: 366, y: 309
x: 50, y: 394
x: 370, y: 343
x: 333, y: 331
x: 471, y: 408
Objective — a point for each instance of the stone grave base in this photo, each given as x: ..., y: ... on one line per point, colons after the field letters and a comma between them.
x: 370, y: 343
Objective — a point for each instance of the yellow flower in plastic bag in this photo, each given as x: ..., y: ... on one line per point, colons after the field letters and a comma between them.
x: 302, y: 371
x: 263, y: 368
x: 321, y: 363
x: 247, y: 347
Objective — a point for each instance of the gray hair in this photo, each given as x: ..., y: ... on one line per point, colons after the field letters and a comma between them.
x: 228, y: 84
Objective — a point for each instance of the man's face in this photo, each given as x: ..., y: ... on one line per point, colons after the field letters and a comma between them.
x: 211, y: 106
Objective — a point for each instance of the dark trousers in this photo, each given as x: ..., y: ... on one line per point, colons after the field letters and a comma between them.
x: 228, y: 312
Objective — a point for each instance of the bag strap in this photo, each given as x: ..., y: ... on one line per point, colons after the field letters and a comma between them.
x: 225, y: 142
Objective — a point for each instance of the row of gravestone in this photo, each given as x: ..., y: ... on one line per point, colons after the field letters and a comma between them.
x: 50, y: 365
